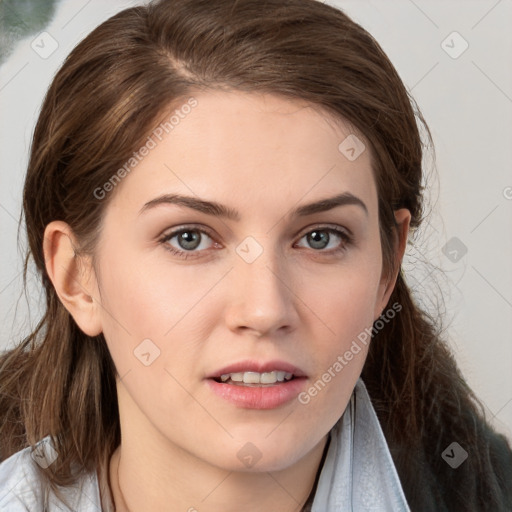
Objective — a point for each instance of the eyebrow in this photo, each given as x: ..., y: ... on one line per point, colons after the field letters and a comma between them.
x: 220, y: 210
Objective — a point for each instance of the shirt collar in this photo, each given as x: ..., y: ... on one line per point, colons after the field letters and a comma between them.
x: 358, y: 473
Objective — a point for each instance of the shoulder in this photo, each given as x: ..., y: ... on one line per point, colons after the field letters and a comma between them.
x: 22, y: 488
x: 500, y: 457
x: 453, y: 472
x: 482, y: 477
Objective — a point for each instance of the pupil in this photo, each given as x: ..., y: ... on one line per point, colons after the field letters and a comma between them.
x: 318, y: 239
x: 189, y: 239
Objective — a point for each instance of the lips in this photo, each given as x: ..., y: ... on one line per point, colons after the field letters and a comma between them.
x: 257, y: 384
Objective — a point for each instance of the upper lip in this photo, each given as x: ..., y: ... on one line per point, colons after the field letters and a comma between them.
x: 257, y: 366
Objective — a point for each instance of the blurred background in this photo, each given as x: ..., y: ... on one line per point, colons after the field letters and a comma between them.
x: 454, y: 57
x: 21, y: 18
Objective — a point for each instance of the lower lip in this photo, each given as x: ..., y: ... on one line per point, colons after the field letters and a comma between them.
x: 258, y: 397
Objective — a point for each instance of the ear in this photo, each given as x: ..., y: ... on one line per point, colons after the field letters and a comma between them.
x: 72, y: 276
x: 387, y: 284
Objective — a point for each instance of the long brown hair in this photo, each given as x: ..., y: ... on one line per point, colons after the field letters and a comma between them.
x: 102, y: 104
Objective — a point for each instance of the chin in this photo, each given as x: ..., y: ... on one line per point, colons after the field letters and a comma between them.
x: 260, y: 455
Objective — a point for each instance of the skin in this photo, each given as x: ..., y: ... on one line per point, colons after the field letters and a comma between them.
x: 262, y: 155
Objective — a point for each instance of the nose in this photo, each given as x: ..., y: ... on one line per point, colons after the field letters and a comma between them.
x: 262, y: 301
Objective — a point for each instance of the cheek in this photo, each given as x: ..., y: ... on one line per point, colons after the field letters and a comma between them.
x: 170, y: 305
x: 343, y: 300
x: 154, y: 320
x: 347, y: 312
x: 149, y: 299
x: 340, y: 341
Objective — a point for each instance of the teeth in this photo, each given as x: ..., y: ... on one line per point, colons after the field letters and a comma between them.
x: 268, y: 378
x: 257, y: 378
x: 252, y: 378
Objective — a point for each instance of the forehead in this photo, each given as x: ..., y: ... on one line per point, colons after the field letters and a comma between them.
x: 248, y: 149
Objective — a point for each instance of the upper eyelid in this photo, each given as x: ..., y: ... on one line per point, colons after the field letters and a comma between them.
x: 191, y: 227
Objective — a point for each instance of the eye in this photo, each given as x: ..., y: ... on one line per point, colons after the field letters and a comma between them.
x: 325, y: 239
x: 187, y: 240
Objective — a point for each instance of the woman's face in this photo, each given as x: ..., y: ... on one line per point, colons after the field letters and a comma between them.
x: 241, y: 279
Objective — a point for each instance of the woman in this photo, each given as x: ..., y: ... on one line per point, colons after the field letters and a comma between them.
x: 218, y: 200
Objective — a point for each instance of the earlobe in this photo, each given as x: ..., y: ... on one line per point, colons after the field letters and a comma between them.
x: 72, y: 277
x: 403, y: 220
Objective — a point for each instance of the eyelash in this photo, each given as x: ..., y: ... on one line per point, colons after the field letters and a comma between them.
x: 346, y: 238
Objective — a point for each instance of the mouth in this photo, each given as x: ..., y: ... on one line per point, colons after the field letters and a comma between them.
x: 257, y: 385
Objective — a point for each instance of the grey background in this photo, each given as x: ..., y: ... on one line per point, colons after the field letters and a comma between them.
x: 461, y: 260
